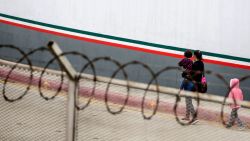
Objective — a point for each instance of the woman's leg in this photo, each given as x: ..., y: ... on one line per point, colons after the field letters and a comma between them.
x: 189, y: 86
x: 190, y: 107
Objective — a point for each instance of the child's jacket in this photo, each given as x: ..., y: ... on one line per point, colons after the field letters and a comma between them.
x: 235, y: 93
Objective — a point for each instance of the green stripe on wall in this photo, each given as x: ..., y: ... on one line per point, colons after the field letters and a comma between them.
x: 124, y: 39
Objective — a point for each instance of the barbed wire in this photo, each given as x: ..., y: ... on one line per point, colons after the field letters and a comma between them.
x: 120, y: 68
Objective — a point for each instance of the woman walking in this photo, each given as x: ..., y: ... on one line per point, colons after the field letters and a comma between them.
x: 196, y: 76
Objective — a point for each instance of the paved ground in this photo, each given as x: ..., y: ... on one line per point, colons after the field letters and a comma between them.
x: 34, y: 119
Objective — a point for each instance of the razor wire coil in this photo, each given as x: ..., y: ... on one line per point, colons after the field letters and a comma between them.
x: 120, y: 68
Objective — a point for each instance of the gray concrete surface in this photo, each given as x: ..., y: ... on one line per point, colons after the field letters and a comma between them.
x: 34, y: 119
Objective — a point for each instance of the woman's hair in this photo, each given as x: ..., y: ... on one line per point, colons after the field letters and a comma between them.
x: 198, y: 54
x: 188, y: 53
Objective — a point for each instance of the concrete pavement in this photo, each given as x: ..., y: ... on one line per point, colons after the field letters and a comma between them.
x: 35, y: 119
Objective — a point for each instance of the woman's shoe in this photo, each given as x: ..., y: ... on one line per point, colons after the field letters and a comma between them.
x: 194, y: 121
x: 185, y: 118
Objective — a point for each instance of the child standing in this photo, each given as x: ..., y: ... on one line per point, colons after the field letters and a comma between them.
x: 187, y: 84
x: 235, y: 95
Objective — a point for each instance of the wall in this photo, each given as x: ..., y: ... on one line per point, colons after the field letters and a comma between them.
x: 220, y: 28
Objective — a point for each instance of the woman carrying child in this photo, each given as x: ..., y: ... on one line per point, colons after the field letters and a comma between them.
x: 187, y: 84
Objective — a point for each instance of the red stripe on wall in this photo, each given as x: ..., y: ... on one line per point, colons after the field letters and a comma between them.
x: 120, y: 45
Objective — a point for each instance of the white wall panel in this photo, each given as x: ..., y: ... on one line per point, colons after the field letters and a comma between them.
x: 219, y: 26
